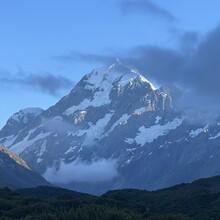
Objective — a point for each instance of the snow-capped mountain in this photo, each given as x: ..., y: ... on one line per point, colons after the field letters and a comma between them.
x: 114, y: 130
x: 15, y: 172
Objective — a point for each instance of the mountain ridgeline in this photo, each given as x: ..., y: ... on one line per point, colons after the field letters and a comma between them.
x: 15, y: 173
x: 114, y: 130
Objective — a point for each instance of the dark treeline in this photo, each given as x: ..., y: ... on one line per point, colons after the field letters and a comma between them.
x: 199, y: 200
x: 67, y: 206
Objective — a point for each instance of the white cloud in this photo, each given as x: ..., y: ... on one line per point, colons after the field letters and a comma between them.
x: 97, y: 171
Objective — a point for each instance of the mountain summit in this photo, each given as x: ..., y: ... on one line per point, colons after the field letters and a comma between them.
x: 102, y: 85
x: 114, y: 130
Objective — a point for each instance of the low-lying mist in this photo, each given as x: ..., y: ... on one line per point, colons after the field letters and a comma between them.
x: 96, y: 171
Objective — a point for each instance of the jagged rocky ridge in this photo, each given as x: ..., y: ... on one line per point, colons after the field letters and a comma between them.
x: 15, y: 173
x: 114, y: 130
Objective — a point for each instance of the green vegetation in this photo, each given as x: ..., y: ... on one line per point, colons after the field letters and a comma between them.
x: 64, y: 205
x: 45, y: 203
x: 199, y: 200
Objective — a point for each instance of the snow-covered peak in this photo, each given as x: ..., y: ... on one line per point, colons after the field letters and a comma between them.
x: 102, y: 81
x: 115, y: 73
x: 22, y: 115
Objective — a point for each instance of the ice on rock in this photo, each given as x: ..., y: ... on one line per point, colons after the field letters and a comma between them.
x: 139, y: 111
x: 157, y: 119
x: 22, y: 115
x: 95, y: 131
x: 216, y: 136
x: 21, y: 146
x: 129, y: 140
x: 195, y: 133
x: 122, y: 121
x: 71, y: 149
x: 101, y: 82
x: 148, y: 135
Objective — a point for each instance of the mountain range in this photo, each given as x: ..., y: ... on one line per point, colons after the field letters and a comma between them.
x: 114, y: 130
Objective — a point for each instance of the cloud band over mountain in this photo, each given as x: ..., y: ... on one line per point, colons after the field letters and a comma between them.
x: 45, y: 82
x: 194, y: 65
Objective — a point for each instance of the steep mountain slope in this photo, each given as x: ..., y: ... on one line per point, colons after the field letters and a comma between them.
x: 114, y: 130
x: 15, y: 173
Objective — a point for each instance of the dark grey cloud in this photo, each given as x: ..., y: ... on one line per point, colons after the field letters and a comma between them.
x: 160, y: 64
x: 96, y: 171
x: 188, y: 41
x: 146, y: 7
x: 193, y: 65
x: 203, y: 72
x: 44, y: 82
x: 74, y: 56
x: 199, y: 108
x: 165, y: 65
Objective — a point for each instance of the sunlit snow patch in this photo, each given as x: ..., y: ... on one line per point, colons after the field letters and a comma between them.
x: 157, y: 119
x: 216, y: 136
x: 148, y: 135
x: 121, y: 121
x: 71, y: 149
x: 129, y: 140
x: 95, y: 131
x: 139, y: 111
x: 195, y: 133
x: 26, y: 142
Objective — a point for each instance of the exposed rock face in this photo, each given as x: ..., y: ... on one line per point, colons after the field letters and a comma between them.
x: 15, y: 173
x: 114, y: 119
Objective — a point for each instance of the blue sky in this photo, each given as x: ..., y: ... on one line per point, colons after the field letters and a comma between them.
x: 46, y: 46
